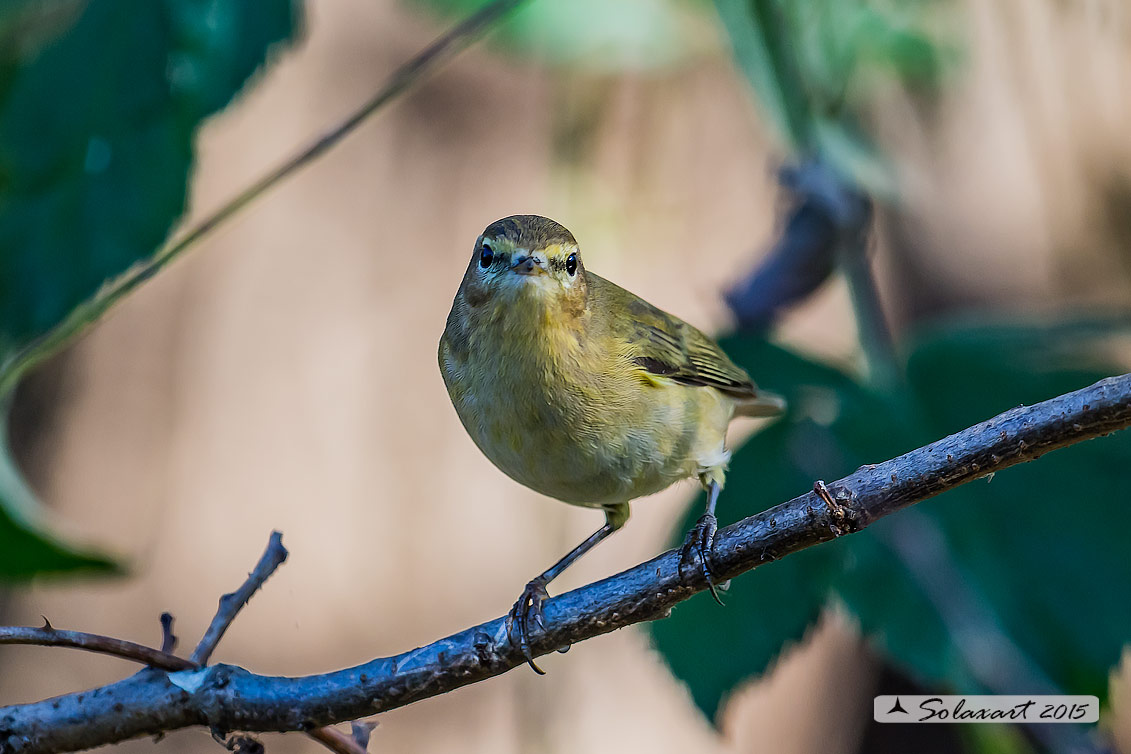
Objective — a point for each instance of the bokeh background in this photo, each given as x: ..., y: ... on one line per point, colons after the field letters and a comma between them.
x: 283, y: 374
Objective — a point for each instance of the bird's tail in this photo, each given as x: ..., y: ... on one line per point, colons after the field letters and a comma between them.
x: 763, y: 403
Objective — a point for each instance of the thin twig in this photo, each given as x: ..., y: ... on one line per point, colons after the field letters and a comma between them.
x: 336, y: 741
x: 360, y: 731
x: 231, y: 604
x: 168, y: 638
x: 225, y: 697
x: 425, y: 62
x: 48, y: 636
x: 884, y: 368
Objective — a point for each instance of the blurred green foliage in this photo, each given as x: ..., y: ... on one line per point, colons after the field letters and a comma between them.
x: 817, y: 66
x: 1033, y: 545
x: 27, y: 548
x: 599, y: 36
x: 99, y: 102
x: 1017, y: 583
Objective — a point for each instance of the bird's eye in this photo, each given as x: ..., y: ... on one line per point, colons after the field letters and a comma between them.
x: 571, y: 264
x: 485, y: 256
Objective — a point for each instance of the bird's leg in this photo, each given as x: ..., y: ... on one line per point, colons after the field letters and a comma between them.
x: 529, y: 605
x: 701, y: 539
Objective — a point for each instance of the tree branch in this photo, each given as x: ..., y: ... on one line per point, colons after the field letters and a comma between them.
x: 49, y: 636
x: 168, y: 638
x: 335, y: 740
x: 232, y: 603
x: 230, y: 606
x: 226, y: 698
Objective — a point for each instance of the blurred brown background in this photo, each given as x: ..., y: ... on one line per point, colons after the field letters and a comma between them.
x: 284, y: 375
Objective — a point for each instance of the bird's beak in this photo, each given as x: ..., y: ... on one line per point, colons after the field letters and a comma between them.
x: 529, y: 264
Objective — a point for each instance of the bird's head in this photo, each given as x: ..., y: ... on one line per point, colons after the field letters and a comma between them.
x: 524, y: 260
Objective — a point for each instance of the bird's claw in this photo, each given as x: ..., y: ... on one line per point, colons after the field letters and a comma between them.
x: 697, y: 546
x: 528, y: 607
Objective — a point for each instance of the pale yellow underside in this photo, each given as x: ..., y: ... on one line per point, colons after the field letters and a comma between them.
x: 579, y: 422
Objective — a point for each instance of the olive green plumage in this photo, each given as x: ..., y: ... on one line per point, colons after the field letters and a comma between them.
x: 667, y: 346
x: 576, y: 387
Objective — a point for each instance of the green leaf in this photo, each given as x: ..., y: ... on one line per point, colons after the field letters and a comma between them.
x: 598, y: 36
x: 99, y: 103
x: 894, y: 613
x: 1044, y: 552
x: 26, y: 547
x: 714, y: 649
x: 27, y: 25
x: 995, y: 739
x: 893, y: 41
x: 1032, y: 555
x: 96, y: 132
x: 1032, y: 550
x: 761, y: 46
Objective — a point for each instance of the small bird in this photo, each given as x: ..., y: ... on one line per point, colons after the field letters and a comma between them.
x: 584, y: 392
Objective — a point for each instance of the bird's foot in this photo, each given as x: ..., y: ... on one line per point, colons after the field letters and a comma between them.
x: 697, y: 546
x: 528, y: 609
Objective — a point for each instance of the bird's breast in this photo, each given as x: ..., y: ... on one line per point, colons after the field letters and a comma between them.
x: 573, y: 420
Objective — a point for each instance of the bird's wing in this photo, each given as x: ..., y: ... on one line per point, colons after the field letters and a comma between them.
x: 675, y: 349
x: 667, y: 346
